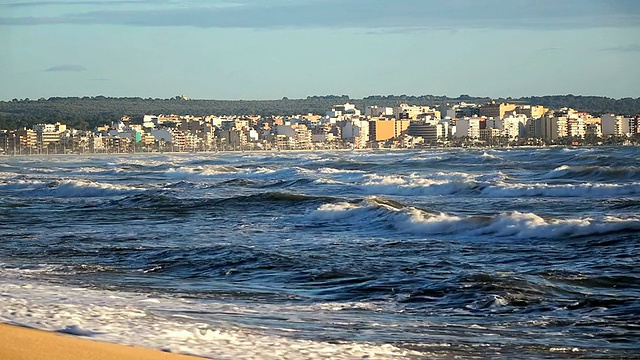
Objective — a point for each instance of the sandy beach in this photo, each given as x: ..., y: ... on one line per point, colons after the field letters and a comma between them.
x: 20, y: 343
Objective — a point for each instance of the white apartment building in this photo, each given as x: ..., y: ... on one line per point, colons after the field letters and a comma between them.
x: 378, y: 111
x: 576, y: 127
x: 467, y: 127
x: 357, y: 132
x: 343, y: 112
x: 48, y: 133
x: 413, y: 112
x: 514, y: 126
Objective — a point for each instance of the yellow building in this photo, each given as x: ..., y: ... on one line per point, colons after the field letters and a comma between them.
x: 532, y: 111
x: 401, y: 128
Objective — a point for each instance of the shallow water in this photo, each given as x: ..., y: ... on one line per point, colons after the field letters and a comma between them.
x: 519, y: 253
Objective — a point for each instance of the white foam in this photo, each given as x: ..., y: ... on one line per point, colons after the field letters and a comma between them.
x: 440, y: 184
x: 85, y: 188
x: 334, y: 211
x: 329, y: 181
x: 508, y: 225
x: 136, y: 319
x: 486, y: 155
x: 328, y: 170
x: 22, y: 184
x: 209, y: 170
x: 502, y: 189
x: 67, y: 188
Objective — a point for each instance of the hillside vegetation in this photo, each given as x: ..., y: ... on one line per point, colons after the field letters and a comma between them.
x: 88, y: 112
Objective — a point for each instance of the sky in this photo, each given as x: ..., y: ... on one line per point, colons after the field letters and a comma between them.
x: 269, y: 49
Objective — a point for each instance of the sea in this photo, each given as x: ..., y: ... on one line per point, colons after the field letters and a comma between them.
x: 529, y: 253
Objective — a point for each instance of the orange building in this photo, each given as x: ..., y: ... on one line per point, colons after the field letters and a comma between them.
x: 381, y: 130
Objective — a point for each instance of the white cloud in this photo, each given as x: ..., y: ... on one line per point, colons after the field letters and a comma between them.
x: 66, y: 67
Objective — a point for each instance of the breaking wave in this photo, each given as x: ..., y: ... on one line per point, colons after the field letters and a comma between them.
x: 512, y: 224
x: 69, y: 188
x: 488, y: 186
x: 503, y: 189
x: 594, y: 173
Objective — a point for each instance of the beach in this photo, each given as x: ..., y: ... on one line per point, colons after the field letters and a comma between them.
x: 20, y: 343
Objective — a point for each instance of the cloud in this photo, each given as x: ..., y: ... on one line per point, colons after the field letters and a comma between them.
x: 392, y: 15
x: 66, y: 67
x: 623, y: 48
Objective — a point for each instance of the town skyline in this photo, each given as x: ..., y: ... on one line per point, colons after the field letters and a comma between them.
x: 344, y: 126
x: 247, y: 49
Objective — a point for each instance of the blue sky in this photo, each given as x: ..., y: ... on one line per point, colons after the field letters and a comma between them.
x: 268, y: 49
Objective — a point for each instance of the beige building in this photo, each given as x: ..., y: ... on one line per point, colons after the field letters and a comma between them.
x: 531, y: 111
x: 401, y: 127
x: 554, y: 127
x: 495, y: 110
x: 413, y: 112
x: 26, y: 140
x: 48, y: 134
x: 489, y: 133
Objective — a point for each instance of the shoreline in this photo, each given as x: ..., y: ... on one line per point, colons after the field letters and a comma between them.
x: 24, y: 343
x: 528, y: 147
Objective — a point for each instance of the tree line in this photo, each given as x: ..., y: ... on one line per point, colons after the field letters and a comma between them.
x: 88, y: 112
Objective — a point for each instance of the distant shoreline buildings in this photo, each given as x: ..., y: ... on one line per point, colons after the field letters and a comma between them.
x: 342, y: 127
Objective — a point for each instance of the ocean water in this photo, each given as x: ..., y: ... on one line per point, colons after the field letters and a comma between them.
x: 511, y: 253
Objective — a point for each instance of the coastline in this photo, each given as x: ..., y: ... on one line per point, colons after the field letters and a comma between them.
x: 98, y: 154
x: 22, y: 343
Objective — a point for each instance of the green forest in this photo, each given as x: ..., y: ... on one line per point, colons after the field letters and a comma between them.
x: 88, y: 112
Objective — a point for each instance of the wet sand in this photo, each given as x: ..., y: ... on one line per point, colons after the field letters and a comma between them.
x: 20, y: 343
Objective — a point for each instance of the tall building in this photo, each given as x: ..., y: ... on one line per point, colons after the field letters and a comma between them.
x: 618, y: 125
x: 381, y: 130
x: 495, y: 110
x: 553, y: 127
x: 48, y: 133
x: 26, y: 140
x: 356, y: 131
x: 401, y: 127
x: 514, y: 126
x: 468, y: 127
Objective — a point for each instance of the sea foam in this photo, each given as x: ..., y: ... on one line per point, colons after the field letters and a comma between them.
x: 505, y: 225
x: 155, y: 322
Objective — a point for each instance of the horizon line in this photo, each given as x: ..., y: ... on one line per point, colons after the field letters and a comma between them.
x: 285, y: 98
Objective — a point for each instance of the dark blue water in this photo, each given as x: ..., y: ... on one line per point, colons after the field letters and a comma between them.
x: 519, y: 253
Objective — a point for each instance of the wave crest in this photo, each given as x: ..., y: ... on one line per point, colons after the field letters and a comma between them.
x: 503, y: 225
